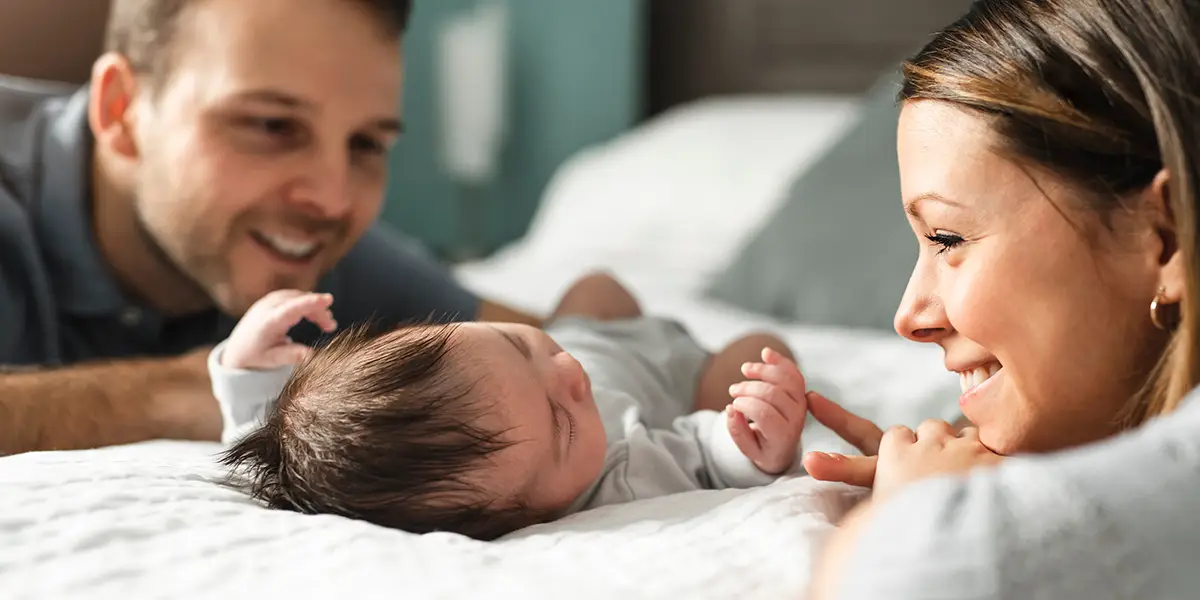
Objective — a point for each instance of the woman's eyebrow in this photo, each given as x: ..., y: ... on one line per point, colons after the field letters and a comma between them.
x: 912, y: 205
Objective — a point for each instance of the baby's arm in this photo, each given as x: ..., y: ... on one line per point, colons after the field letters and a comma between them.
x: 756, y: 439
x: 700, y: 446
x: 249, y: 369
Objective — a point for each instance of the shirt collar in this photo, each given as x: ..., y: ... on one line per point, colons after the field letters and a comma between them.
x: 83, y: 283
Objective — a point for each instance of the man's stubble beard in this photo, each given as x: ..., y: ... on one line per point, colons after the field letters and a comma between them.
x: 148, y: 239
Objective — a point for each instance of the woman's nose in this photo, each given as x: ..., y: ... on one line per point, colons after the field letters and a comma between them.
x: 921, y: 316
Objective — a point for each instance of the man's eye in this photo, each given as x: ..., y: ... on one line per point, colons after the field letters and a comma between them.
x: 271, y: 126
x: 362, y: 144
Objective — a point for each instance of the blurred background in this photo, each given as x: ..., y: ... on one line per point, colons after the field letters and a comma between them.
x: 500, y: 93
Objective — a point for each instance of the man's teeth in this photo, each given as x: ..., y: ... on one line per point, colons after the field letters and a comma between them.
x: 973, y: 378
x: 288, y: 246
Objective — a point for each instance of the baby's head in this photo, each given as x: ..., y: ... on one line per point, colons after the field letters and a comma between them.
x: 475, y: 428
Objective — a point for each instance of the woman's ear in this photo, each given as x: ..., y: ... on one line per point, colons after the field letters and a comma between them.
x: 1172, y: 275
x: 111, y: 107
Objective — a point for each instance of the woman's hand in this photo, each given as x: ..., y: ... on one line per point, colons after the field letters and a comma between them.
x: 895, y: 458
x: 934, y: 449
x: 861, y: 433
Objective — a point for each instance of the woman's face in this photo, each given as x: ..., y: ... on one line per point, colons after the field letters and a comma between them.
x: 1041, y: 309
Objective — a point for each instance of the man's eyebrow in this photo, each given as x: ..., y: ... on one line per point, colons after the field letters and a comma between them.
x: 911, y: 206
x: 517, y: 343
x: 272, y: 96
x: 388, y: 125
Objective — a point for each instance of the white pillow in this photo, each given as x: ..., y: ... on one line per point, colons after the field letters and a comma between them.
x: 671, y: 201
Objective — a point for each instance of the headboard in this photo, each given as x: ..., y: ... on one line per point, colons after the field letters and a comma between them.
x: 699, y: 48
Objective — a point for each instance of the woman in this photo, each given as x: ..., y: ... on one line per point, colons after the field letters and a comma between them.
x: 1049, y: 155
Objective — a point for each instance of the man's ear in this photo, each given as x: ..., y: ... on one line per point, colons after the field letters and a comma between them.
x: 112, y: 105
x: 1172, y: 276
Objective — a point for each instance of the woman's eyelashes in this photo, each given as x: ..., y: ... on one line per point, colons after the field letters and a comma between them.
x: 944, y: 241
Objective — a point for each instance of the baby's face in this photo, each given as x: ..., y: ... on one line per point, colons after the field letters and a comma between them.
x: 544, y: 402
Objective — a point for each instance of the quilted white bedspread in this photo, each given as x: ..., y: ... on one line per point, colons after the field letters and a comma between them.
x: 151, y: 521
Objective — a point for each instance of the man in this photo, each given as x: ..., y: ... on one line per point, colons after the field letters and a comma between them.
x: 223, y: 149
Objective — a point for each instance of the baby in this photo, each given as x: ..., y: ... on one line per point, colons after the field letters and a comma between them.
x: 485, y: 428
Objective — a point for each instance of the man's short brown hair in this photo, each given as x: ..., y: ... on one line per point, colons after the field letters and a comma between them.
x: 142, y: 30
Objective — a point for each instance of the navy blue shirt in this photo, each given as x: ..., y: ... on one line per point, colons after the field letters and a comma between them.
x: 59, y: 301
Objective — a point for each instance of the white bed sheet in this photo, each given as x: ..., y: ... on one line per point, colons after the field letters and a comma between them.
x: 152, y: 521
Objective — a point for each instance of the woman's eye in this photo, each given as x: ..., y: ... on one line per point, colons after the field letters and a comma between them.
x: 944, y: 241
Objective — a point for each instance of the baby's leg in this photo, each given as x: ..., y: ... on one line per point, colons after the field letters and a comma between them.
x: 725, y: 368
x: 598, y: 296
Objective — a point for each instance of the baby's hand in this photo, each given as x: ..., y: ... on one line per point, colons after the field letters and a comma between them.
x: 260, y: 340
x: 767, y: 416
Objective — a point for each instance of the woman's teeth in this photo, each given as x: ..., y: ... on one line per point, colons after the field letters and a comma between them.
x: 975, y: 377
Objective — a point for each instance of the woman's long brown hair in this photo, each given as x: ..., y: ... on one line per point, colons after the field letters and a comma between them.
x: 1102, y: 93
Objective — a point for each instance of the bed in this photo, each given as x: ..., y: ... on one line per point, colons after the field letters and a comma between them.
x: 652, y: 206
x: 151, y: 520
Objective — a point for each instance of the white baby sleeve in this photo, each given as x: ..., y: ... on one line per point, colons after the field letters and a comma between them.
x: 725, y: 465
x: 245, y: 396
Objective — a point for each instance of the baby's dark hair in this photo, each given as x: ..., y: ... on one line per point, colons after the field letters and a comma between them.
x: 384, y: 428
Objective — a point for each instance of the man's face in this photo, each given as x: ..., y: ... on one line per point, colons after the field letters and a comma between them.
x: 263, y: 152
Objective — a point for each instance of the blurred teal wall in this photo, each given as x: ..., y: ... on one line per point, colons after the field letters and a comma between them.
x: 574, y: 80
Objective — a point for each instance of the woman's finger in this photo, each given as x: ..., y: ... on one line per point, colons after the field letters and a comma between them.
x: 934, y: 429
x: 854, y: 470
x: 859, y: 432
x: 897, y: 436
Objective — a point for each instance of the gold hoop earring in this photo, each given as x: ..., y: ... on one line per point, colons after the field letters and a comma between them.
x: 1156, y: 307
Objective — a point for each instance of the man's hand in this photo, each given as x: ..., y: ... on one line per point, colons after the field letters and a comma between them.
x: 767, y: 415
x: 260, y: 340
x: 183, y: 410
x: 99, y: 404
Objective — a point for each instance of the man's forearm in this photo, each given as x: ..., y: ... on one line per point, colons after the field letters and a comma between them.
x: 495, y: 312
x: 106, y: 404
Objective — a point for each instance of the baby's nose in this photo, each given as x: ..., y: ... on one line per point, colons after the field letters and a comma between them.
x: 574, y: 377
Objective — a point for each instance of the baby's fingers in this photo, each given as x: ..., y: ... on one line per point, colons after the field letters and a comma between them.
x: 774, y: 357
x: 768, y: 421
x: 313, y: 307
x: 744, y: 437
x: 786, y: 376
x: 281, y: 356
x: 791, y: 407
